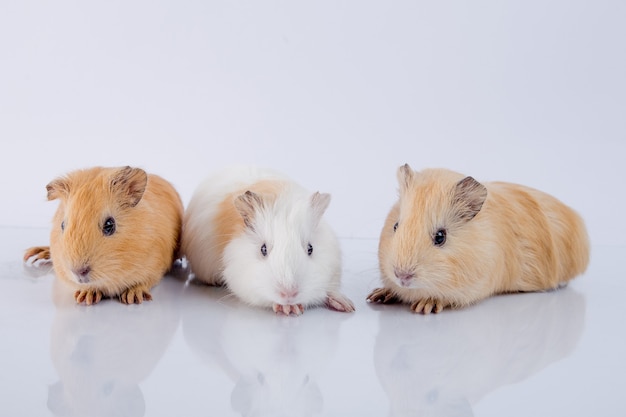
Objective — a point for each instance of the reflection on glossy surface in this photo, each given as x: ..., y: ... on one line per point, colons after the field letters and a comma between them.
x: 102, y: 352
x: 443, y: 365
x: 513, y: 356
x: 272, y: 361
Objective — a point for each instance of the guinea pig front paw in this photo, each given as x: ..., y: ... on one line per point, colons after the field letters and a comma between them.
x: 339, y: 302
x: 89, y: 296
x: 136, y: 295
x: 295, y: 309
x: 37, y: 256
x: 427, y: 306
x: 384, y: 296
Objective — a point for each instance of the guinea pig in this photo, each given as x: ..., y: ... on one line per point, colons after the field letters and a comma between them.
x: 115, y: 233
x: 263, y: 236
x: 451, y: 241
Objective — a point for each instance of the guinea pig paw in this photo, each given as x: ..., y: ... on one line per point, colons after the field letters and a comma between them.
x: 287, y: 309
x: 136, y: 295
x: 37, y: 256
x: 427, y: 306
x: 383, y: 295
x: 339, y: 302
x: 89, y: 296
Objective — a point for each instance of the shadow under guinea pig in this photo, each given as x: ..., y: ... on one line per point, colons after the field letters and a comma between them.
x: 102, y: 353
x: 443, y: 365
x: 273, y: 361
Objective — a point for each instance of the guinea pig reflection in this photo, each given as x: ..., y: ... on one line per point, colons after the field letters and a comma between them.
x: 444, y: 366
x: 103, y: 353
x: 272, y: 361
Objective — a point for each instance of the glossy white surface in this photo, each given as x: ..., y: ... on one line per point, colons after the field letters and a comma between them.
x: 193, y: 351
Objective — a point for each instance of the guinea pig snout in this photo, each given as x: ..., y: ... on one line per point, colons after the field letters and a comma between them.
x: 405, y: 277
x: 81, y: 273
x: 288, y: 294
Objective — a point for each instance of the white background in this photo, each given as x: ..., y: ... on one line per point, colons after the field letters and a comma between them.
x: 336, y: 94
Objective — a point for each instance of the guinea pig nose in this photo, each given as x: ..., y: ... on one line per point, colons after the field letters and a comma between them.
x: 405, y: 277
x: 82, y: 273
x: 288, y: 293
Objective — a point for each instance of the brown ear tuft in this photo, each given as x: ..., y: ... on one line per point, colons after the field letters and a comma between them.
x: 405, y: 177
x: 247, y: 204
x: 469, y: 196
x: 130, y: 184
x: 58, y: 188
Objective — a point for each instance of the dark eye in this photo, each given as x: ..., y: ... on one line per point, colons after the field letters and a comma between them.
x: 310, y: 249
x: 109, y: 226
x: 395, y: 227
x: 440, y: 237
x: 264, y: 250
x: 63, y: 225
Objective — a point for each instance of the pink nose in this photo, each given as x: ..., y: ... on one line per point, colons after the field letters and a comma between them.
x: 288, y: 293
x: 82, y: 273
x: 405, y: 277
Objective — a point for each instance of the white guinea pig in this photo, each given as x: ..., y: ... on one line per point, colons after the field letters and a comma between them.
x: 263, y: 236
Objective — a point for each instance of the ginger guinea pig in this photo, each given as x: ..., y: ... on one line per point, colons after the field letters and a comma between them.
x: 263, y: 236
x: 115, y: 233
x: 451, y: 241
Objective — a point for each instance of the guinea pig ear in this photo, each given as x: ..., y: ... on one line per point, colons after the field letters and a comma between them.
x: 405, y: 177
x: 247, y: 204
x: 319, y: 204
x: 58, y: 188
x: 129, y: 184
x: 469, y: 196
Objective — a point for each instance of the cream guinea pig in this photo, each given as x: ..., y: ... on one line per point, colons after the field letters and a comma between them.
x: 115, y: 232
x: 451, y: 241
x: 263, y: 236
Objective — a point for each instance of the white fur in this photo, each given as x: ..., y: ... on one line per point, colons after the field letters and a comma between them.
x: 286, y: 228
x: 198, y: 238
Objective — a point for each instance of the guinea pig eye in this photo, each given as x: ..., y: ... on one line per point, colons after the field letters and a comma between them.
x: 310, y: 249
x: 264, y: 250
x: 109, y: 226
x: 440, y: 237
x: 395, y: 227
x: 62, y: 225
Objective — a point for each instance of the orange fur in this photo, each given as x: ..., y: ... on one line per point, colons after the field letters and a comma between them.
x: 148, y: 215
x: 520, y: 239
x: 229, y: 222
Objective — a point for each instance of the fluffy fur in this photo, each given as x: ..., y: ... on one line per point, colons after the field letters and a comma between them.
x: 500, y: 238
x: 147, y: 212
x: 235, y: 213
